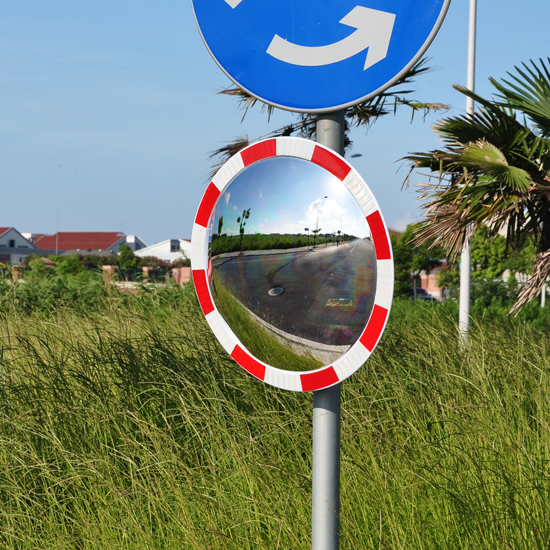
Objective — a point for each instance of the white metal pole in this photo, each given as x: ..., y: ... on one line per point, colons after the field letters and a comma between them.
x: 543, y: 296
x: 465, y: 259
x: 325, y: 509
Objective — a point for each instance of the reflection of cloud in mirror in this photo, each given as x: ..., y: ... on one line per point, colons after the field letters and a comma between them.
x: 288, y: 193
x: 330, y: 216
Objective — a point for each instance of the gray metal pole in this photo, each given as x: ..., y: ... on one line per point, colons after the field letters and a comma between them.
x: 465, y: 259
x: 330, y: 130
x: 325, y: 513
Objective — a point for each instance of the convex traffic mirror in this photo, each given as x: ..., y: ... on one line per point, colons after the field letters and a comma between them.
x: 292, y: 263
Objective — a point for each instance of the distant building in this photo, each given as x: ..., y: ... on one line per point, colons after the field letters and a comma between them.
x: 14, y: 246
x: 167, y: 251
x: 82, y: 242
x: 429, y: 283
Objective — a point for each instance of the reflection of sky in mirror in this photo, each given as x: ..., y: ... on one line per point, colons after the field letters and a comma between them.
x: 287, y: 195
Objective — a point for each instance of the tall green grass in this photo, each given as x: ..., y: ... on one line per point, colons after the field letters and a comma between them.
x: 128, y: 427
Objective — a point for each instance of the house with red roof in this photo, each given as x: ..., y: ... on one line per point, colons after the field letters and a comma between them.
x: 13, y: 246
x: 85, y: 242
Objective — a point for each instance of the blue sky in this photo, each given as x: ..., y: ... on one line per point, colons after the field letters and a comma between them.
x: 286, y: 195
x: 108, y: 111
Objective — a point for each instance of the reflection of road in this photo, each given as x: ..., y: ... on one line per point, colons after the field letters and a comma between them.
x: 327, y: 293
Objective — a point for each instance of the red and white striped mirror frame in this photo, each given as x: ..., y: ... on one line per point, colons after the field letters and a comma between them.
x: 359, y: 352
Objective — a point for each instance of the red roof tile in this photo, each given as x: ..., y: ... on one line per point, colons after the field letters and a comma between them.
x: 3, y: 230
x: 78, y: 241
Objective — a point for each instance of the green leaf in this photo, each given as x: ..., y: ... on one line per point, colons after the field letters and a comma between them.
x: 490, y: 160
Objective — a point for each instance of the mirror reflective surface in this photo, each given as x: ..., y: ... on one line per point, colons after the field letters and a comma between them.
x: 293, y: 263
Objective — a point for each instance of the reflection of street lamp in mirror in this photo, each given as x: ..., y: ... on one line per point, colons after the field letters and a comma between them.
x: 316, y: 230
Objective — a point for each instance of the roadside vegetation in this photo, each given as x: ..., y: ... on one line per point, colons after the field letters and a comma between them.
x: 124, y: 424
x: 493, y: 171
x: 38, y: 268
x: 237, y: 243
x: 497, y: 273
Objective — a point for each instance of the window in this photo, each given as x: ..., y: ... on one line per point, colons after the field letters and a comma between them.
x: 12, y: 243
x: 174, y: 246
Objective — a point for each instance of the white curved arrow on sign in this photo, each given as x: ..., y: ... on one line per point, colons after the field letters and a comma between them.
x: 374, y: 30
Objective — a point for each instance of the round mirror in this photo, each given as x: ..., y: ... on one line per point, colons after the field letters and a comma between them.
x: 292, y: 263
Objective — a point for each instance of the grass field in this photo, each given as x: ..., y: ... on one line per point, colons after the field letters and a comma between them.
x: 123, y: 425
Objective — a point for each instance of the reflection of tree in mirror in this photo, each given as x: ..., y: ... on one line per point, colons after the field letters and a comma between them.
x: 315, y: 234
x: 241, y: 220
x: 223, y: 243
x: 220, y: 226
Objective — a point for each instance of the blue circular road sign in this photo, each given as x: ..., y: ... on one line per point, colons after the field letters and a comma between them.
x: 317, y: 55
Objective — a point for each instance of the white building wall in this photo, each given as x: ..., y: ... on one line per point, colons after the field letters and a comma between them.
x: 167, y: 251
x: 14, y: 247
x: 13, y: 239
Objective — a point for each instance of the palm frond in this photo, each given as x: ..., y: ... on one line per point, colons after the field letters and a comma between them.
x: 364, y: 113
x: 493, y: 170
x: 246, y: 101
x: 224, y: 153
x: 528, y: 91
x: 532, y: 289
x: 484, y: 157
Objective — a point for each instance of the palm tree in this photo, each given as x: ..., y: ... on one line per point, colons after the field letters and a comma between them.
x: 362, y: 115
x: 241, y: 220
x: 494, y: 169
